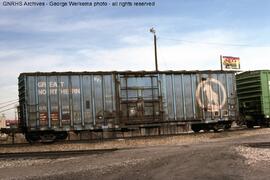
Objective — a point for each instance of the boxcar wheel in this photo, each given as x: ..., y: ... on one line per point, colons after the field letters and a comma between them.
x: 249, y: 124
x: 218, y: 128
x: 29, y: 139
x: 228, y: 126
x: 62, y: 136
x: 48, y: 137
x: 195, y: 128
x: 32, y: 137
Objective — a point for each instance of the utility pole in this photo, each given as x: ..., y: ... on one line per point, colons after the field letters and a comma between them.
x: 152, y: 30
x: 221, y: 63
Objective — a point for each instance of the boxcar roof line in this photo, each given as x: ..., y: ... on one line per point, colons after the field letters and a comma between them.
x: 125, y: 72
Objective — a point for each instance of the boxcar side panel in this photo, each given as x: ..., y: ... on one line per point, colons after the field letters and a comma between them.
x: 63, y: 102
x: 86, y: 101
x: 265, y: 87
x: 199, y: 96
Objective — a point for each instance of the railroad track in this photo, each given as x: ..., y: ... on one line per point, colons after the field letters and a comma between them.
x: 88, y: 141
x: 54, y: 154
x: 72, y: 153
x: 258, y: 145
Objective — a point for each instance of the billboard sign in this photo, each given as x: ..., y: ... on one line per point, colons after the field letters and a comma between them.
x: 229, y: 63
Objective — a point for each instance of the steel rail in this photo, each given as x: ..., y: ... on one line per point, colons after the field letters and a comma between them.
x: 54, y: 154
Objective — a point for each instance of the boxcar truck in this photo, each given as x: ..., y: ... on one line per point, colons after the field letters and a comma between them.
x: 253, y: 90
x: 51, y: 104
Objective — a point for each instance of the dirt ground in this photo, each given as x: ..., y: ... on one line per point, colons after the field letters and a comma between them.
x: 202, y: 156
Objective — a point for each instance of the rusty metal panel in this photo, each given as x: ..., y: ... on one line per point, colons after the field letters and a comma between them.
x: 204, y: 96
x: 63, y: 102
x: 139, y: 99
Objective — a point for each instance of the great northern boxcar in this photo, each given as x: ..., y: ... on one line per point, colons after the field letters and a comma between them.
x: 253, y: 89
x: 51, y: 104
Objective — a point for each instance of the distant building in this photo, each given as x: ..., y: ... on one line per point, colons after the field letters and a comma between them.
x: 11, y: 123
x: 2, y: 121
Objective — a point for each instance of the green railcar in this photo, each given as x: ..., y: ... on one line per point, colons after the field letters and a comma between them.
x: 253, y: 91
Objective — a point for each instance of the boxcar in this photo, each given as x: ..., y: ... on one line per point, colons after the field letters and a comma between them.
x: 254, y: 97
x: 51, y: 104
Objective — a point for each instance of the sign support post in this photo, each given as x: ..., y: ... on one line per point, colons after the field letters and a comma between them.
x: 221, y: 65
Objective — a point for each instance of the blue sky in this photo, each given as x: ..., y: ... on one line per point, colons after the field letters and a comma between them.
x: 191, y: 35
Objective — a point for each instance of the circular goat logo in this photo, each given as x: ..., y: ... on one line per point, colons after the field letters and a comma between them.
x: 212, y: 100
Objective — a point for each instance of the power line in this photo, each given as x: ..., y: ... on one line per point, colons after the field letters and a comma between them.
x: 163, y: 59
x: 214, y: 43
x: 8, y: 105
x: 9, y: 101
x: 7, y: 109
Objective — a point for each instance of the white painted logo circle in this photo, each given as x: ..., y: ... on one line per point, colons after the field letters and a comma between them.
x: 214, y: 103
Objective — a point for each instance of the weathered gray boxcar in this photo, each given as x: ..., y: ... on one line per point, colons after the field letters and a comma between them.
x: 51, y: 104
